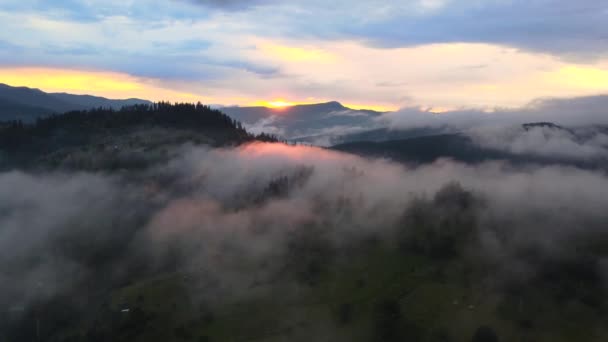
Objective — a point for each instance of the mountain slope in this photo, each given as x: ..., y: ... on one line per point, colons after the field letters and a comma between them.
x: 304, y: 120
x: 28, y: 97
x: 11, y: 110
x: 457, y: 146
x: 423, y: 149
x: 89, y: 101
x: 373, y: 135
x: 27, y: 104
x: 130, y: 138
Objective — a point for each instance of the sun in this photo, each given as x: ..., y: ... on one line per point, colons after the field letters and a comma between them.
x: 279, y: 104
x: 274, y: 104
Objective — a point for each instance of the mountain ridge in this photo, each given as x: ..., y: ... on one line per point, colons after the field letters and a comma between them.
x: 28, y: 104
x: 303, y: 120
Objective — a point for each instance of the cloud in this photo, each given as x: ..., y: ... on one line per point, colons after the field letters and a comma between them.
x: 570, y: 112
x: 248, y: 222
x: 49, y: 224
x: 113, y: 85
x: 266, y: 125
x: 97, y: 10
x: 582, y: 137
x: 306, y: 50
x: 563, y: 28
x: 231, y: 4
x: 216, y: 212
x: 570, y: 30
x: 545, y: 141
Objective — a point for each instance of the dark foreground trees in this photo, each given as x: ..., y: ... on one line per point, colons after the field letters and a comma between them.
x: 443, y: 226
x: 21, y: 142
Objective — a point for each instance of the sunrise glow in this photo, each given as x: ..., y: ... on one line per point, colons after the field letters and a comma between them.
x: 583, y: 77
x: 279, y: 104
x: 100, y: 83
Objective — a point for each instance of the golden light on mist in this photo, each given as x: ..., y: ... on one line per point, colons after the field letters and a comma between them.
x: 257, y: 150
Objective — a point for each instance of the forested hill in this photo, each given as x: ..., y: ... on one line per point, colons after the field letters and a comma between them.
x: 27, y: 104
x: 133, y: 132
x: 459, y: 147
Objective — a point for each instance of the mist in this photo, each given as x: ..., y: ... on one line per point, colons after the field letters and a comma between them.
x: 230, y: 216
x: 569, y: 112
x: 559, y: 129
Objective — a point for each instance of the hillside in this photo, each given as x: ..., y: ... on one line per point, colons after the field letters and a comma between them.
x: 161, y: 223
x: 424, y: 278
x: 131, y: 137
x: 27, y: 104
x: 370, y: 135
x: 424, y: 149
x: 459, y: 147
x: 89, y: 101
x: 304, y: 120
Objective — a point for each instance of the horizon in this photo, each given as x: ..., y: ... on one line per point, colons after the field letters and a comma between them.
x: 279, y: 105
x: 442, y: 56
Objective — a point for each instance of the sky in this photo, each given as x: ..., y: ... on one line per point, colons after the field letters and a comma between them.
x: 385, y: 55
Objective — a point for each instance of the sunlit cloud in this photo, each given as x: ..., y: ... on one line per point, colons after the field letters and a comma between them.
x: 296, y: 54
x: 451, y: 75
x: 237, y: 58
x: 435, y: 76
x: 108, y: 84
x: 278, y: 103
x: 593, y: 79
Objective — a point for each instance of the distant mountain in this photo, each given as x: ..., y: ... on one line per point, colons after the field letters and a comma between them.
x: 427, y: 149
x: 373, y: 135
x: 29, y: 99
x: 27, y: 104
x: 388, y: 134
x: 550, y: 125
x: 331, y: 118
x: 89, y: 101
x: 459, y: 147
x: 11, y: 110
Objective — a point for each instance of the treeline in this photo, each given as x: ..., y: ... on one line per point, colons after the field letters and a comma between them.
x: 77, y: 128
